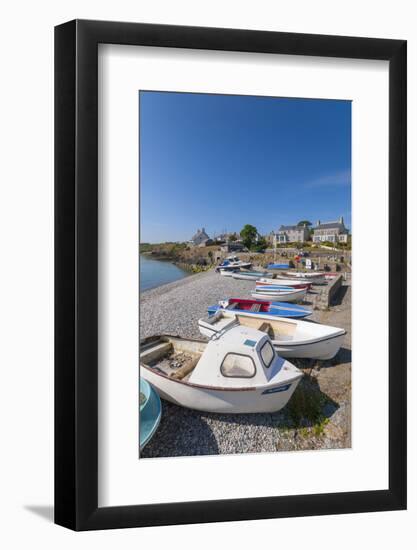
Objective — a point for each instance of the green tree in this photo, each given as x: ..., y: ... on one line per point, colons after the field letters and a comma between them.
x: 232, y: 237
x: 249, y: 234
x: 260, y: 245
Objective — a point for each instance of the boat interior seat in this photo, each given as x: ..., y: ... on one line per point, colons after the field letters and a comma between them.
x: 185, y: 370
x: 267, y: 328
x: 256, y: 308
x: 151, y: 354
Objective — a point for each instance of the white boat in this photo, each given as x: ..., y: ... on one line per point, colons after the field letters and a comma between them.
x: 227, y: 272
x: 290, y: 338
x: 262, y: 281
x: 261, y: 308
x: 305, y: 274
x: 233, y: 262
x: 314, y: 278
x: 237, y: 371
x: 249, y: 275
x: 280, y: 295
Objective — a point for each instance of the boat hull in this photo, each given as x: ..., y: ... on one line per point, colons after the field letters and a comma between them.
x: 322, y: 349
x: 248, y: 276
x: 264, y: 399
x: 264, y: 281
x: 227, y: 272
x: 315, y: 279
x: 274, y: 309
x: 279, y: 296
x: 278, y: 266
x: 150, y: 413
x: 279, y: 287
x: 232, y: 266
x: 312, y: 345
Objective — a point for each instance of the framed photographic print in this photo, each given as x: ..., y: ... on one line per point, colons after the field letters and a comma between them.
x: 230, y: 275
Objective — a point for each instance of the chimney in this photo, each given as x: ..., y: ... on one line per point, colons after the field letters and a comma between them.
x: 341, y: 220
x: 318, y: 222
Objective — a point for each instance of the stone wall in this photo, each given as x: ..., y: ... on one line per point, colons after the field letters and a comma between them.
x: 326, y: 294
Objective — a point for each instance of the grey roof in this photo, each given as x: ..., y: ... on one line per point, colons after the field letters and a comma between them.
x: 331, y: 225
x: 291, y: 227
x: 200, y: 236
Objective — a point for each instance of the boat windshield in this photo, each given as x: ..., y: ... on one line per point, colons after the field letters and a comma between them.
x: 235, y: 365
x: 267, y: 354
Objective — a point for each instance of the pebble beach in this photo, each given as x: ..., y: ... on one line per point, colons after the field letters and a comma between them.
x: 175, y: 308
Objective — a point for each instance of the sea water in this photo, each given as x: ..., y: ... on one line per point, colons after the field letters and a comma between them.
x: 155, y: 273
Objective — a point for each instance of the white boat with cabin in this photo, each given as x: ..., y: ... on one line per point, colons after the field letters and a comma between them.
x: 290, y: 337
x: 237, y: 371
x: 233, y: 262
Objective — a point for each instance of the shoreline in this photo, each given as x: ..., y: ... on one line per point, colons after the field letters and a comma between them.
x: 166, y: 287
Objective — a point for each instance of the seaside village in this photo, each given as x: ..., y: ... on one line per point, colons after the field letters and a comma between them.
x: 329, y: 233
x: 252, y: 353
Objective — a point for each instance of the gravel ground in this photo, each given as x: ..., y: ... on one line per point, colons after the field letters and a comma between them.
x: 318, y: 417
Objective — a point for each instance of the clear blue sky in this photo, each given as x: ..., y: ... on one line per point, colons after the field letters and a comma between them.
x: 221, y: 161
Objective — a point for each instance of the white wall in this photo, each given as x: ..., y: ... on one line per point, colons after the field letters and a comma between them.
x: 26, y: 275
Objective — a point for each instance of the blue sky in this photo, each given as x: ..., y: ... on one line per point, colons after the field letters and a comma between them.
x: 221, y: 161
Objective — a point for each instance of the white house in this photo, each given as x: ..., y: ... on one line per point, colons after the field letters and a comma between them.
x: 292, y: 234
x: 330, y: 231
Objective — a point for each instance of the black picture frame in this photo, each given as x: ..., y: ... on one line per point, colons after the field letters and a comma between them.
x: 76, y: 271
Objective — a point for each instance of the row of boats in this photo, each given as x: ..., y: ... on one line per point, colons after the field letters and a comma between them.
x: 244, y: 367
x: 292, y: 278
x: 282, y: 287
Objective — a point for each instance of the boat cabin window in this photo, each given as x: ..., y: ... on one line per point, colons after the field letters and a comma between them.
x: 238, y: 366
x: 267, y: 354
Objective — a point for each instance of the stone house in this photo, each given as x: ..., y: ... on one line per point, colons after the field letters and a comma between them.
x: 270, y: 238
x: 330, y: 231
x: 200, y: 238
x: 292, y: 234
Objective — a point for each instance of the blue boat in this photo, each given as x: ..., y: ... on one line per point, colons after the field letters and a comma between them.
x: 150, y: 412
x: 278, y: 266
x: 261, y: 307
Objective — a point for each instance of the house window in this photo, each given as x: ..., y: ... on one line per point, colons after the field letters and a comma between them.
x: 238, y: 366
